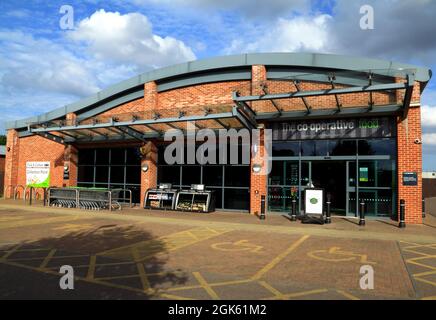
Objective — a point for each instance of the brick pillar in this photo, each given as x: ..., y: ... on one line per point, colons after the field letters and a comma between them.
x: 410, y: 159
x: 71, y: 158
x: 258, y: 181
x: 149, y: 178
x: 150, y: 95
x: 11, y: 161
x: 258, y: 78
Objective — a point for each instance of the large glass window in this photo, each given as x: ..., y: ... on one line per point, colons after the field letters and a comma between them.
x: 371, y: 173
x: 375, y: 147
x: 231, y: 183
x: 111, y: 168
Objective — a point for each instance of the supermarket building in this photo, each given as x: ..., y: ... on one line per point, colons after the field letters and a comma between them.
x: 348, y: 125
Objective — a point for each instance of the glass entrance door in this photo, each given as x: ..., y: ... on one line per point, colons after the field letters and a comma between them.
x: 351, y: 196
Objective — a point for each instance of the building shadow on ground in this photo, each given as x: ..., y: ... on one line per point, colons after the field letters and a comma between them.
x: 129, y: 263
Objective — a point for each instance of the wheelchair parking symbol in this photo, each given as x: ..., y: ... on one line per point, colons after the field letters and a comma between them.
x: 335, y: 254
x: 241, y: 245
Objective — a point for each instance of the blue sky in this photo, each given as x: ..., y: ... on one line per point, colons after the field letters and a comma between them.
x: 43, y: 67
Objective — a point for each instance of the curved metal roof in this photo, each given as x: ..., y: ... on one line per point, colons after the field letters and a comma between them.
x: 225, y: 68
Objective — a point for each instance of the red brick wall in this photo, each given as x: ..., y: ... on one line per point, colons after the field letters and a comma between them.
x: 2, y: 173
x: 194, y: 98
x: 410, y: 159
x: 149, y: 178
x: 36, y: 148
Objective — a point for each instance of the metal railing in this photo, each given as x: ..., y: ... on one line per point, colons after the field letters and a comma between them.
x: 119, y: 195
x: 86, y: 199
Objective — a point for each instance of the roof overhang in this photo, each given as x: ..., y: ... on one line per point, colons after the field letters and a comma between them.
x: 305, y: 66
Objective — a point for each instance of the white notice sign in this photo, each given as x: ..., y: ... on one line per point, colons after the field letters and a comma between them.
x: 314, y: 201
x: 38, y: 174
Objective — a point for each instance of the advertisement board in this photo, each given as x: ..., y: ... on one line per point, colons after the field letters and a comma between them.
x: 38, y: 174
x: 314, y: 201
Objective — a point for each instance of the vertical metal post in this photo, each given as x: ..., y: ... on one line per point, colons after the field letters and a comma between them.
x: 423, y: 208
x: 402, y: 223
x: 30, y: 196
x: 294, y: 210
x: 328, y: 218
x: 262, y: 208
x: 362, y: 214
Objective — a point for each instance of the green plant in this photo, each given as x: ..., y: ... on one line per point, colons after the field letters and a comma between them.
x: 2, y: 140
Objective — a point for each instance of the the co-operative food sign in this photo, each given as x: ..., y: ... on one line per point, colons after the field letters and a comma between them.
x: 38, y: 174
x: 333, y: 129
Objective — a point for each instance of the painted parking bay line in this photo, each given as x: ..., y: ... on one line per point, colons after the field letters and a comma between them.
x: 174, y: 241
x: 39, y: 221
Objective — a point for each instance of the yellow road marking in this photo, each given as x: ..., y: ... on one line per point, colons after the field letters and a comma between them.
x: 163, y: 244
x: 10, y: 252
x: 143, y: 276
x: 271, y: 289
x: 205, y: 285
x: 426, y: 281
x: 47, y: 259
x: 279, y: 258
x: 347, y: 295
x: 299, y: 294
x: 336, y: 251
x: 38, y: 221
x: 91, y: 268
x: 241, y: 245
x: 429, y: 298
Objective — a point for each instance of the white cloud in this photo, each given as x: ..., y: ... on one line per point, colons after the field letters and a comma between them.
x: 428, y: 116
x: 302, y: 33
x: 246, y: 8
x: 129, y: 39
x: 30, y: 63
x: 429, y: 139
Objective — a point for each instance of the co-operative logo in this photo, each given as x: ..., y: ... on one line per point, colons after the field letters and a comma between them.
x: 313, y: 201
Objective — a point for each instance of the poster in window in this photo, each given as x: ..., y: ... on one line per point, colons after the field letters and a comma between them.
x: 363, y: 174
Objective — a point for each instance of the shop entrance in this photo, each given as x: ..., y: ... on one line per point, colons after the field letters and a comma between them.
x: 331, y: 176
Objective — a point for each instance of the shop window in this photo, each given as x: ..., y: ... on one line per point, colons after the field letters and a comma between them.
x: 118, y: 156
x: 237, y: 176
x: 291, y: 173
x: 133, y: 174
x: 213, y: 175
x: 286, y: 149
x: 312, y: 148
x: 276, y: 176
x: 375, y: 147
x: 86, y: 174
x: 117, y: 174
x: 102, y: 174
x: 133, y: 156
x: 191, y: 175
x: 342, y: 147
x: 169, y: 174
x: 102, y: 157
x: 236, y: 199
x: 86, y: 156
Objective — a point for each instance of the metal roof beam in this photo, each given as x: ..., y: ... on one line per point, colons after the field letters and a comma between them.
x: 132, y: 133
x: 326, y: 92
x: 408, y: 94
x: 322, y: 113
x: 115, y: 124
x: 264, y: 89
x: 306, y: 104
x: 332, y: 79
x: 52, y: 137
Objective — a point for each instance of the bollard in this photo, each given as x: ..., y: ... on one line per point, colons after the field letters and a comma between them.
x: 294, y: 210
x: 402, y: 223
x: 362, y: 214
x: 262, y: 208
x: 423, y: 208
x: 328, y: 218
